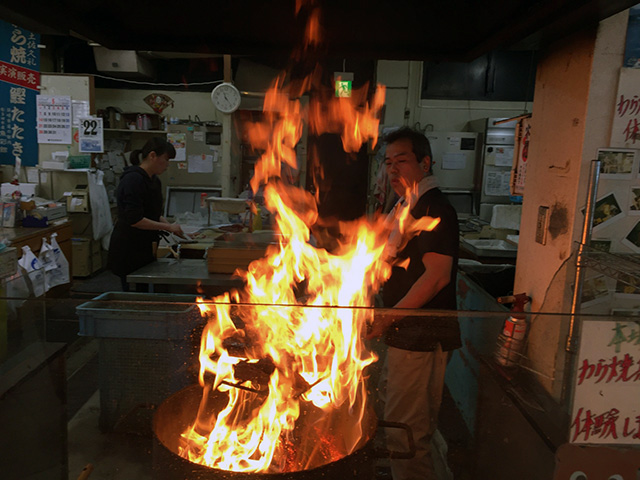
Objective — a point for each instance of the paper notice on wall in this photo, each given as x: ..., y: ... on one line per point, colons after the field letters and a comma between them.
x: 454, y: 161
x: 179, y: 143
x: 200, y: 163
x: 454, y: 141
x: 198, y: 136
x: 32, y: 175
x: 504, y: 156
x: 80, y: 109
x: 497, y: 183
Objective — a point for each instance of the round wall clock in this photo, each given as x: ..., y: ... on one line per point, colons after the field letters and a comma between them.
x: 226, y: 97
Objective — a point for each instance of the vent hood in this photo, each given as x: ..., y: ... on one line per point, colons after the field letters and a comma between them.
x: 122, y: 63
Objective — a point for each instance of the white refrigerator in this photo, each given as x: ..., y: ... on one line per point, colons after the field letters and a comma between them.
x: 498, y: 138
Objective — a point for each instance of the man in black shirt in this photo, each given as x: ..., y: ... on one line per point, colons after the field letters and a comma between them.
x: 418, y: 346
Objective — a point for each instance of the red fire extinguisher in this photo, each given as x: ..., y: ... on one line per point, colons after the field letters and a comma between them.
x: 511, y: 340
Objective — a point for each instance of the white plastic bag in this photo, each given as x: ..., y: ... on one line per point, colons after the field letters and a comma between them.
x: 100, y: 209
x: 33, y: 270
x: 60, y: 275
x: 48, y: 262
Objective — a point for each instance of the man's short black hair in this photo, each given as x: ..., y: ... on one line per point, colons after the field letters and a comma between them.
x: 421, y: 145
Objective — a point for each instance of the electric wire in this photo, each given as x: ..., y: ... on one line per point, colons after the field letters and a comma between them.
x: 137, y: 82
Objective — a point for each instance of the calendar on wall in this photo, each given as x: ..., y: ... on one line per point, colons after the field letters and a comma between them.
x: 54, y: 119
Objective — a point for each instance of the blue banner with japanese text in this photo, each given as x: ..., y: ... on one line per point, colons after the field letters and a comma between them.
x: 19, y: 81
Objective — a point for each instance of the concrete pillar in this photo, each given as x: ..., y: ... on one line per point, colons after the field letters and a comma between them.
x: 572, y: 113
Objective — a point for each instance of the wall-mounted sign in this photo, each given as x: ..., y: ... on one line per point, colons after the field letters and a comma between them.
x: 625, y: 130
x: 607, y: 384
x: 343, y: 84
x: 19, y: 81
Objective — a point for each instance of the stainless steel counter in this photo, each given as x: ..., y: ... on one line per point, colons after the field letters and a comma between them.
x: 187, y: 271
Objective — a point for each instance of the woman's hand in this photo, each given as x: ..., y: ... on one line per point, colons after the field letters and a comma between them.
x: 175, y: 229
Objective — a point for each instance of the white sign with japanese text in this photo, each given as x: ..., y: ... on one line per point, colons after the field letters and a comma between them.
x: 625, y: 130
x: 606, y: 399
x: 90, y: 135
x: 54, y: 119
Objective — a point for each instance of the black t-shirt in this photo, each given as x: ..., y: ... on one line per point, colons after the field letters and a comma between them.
x: 424, y: 333
x: 138, y: 196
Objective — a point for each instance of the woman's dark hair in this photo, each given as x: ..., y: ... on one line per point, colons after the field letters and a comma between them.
x: 155, y: 144
x: 421, y: 145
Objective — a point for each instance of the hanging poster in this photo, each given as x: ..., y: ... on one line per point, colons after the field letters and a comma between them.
x: 520, y: 157
x: 54, y: 119
x: 19, y: 81
x: 632, y: 47
x: 625, y: 129
x: 179, y: 142
x: 607, y: 384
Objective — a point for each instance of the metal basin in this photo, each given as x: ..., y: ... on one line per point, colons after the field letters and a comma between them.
x: 483, y: 247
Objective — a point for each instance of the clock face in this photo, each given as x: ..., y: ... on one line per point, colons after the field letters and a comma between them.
x: 226, y: 97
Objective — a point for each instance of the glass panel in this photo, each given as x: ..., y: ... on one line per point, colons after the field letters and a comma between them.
x: 94, y: 371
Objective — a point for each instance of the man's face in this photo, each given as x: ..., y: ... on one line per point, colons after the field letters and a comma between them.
x: 403, y: 168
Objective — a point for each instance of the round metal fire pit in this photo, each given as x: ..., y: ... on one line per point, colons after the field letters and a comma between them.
x: 179, y: 411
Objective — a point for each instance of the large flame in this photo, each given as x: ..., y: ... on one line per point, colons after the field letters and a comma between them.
x: 290, y: 343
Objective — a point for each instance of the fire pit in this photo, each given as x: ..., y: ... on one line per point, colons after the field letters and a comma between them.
x: 179, y: 411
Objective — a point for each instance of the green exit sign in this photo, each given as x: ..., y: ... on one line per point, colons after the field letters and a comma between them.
x: 343, y: 88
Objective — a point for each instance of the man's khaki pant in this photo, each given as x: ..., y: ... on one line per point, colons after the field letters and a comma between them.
x: 411, y: 389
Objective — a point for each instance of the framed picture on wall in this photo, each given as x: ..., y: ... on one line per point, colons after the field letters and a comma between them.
x: 616, y: 162
x: 607, y: 211
x: 634, y: 200
x: 594, y: 290
x: 627, y: 285
x: 600, y: 245
x: 632, y: 239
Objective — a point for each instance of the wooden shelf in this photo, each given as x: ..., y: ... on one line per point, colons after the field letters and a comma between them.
x: 127, y: 130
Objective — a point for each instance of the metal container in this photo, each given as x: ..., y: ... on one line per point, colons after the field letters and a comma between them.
x: 515, y: 328
x: 179, y: 411
x: 149, y: 347
x: 508, y: 351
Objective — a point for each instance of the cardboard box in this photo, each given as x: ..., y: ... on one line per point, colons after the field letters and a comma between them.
x: 87, y: 256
